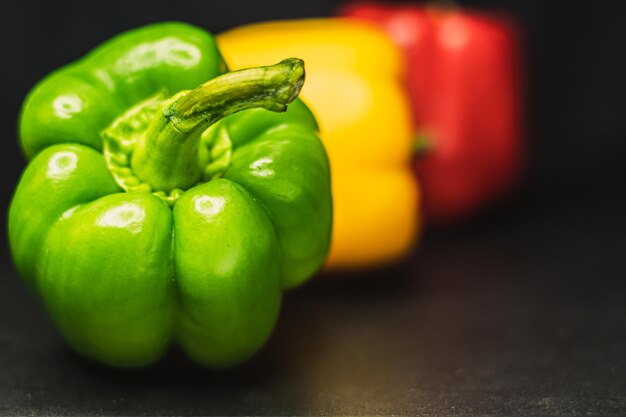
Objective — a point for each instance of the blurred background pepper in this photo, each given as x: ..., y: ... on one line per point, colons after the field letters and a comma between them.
x: 462, y: 76
x: 354, y: 86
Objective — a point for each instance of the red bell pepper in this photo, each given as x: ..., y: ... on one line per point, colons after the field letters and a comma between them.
x: 462, y: 75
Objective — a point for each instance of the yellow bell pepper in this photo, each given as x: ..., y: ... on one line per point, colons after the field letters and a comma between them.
x: 354, y: 88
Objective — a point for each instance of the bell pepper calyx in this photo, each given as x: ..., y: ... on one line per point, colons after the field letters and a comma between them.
x: 120, y: 139
x: 160, y: 145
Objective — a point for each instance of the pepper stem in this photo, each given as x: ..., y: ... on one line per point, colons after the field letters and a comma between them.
x: 167, y: 156
x: 422, y: 143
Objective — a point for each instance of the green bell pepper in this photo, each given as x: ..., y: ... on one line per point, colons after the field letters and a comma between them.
x: 150, y: 212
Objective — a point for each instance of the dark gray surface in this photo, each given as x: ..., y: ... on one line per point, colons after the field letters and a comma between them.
x: 519, y: 314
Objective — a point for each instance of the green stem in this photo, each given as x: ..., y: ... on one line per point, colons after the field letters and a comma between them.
x: 422, y: 143
x: 166, y: 157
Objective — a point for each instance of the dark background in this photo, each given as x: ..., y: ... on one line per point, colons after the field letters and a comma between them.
x: 521, y: 311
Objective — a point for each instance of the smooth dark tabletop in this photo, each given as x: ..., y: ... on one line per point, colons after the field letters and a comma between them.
x: 521, y: 313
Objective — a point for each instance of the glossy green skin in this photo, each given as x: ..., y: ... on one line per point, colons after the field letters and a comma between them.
x: 123, y: 274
